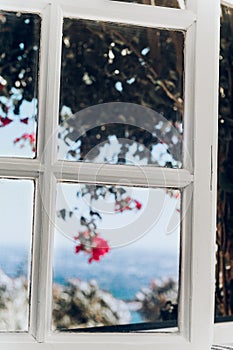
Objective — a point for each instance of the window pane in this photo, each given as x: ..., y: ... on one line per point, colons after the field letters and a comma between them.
x: 116, y: 259
x: 165, y: 3
x: 16, y: 207
x: 19, y: 55
x: 121, y: 94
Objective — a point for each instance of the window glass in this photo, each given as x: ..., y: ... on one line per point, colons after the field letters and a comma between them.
x: 165, y: 3
x: 116, y: 260
x: 121, y: 94
x: 19, y: 55
x: 16, y: 207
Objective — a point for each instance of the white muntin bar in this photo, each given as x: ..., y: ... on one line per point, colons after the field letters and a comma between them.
x: 22, y: 167
x: 47, y: 182
x: 35, y: 310
x: 145, y: 176
x: 27, y: 6
x: 148, y: 16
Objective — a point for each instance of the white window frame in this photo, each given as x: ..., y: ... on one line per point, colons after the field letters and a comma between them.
x: 196, y: 307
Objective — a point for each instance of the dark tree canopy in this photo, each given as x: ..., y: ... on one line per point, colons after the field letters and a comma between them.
x: 19, y: 46
x: 224, y: 270
x: 104, y: 63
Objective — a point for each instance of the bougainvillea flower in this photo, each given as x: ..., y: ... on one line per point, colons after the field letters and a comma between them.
x: 127, y: 204
x: 78, y: 248
x: 5, y: 121
x: 17, y: 139
x: 138, y: 204
x: 31, y: 137
x: 24, y: 120
x: 27, y: 137
x: 96, y: 247
x: 100, y: 247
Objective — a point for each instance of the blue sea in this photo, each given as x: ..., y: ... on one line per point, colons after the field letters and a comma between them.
x: 122, y: 272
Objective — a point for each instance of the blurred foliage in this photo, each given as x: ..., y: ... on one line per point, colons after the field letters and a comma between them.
x: 19, y: 47
x: 83, y: 304
x: 224, y: 255
x: 105, y: 62
x: 159, y: 302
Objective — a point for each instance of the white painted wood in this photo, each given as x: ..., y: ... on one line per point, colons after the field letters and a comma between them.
x: 223, y: 333
x: 24, y: 6
x: 189, y: 71
x: 19, y: 166
x: 131, y: 13
x: 47, y: 181
x: 39, y: 226
x: 185, y: 266
x: 146, y: 176
x: 204, y: 199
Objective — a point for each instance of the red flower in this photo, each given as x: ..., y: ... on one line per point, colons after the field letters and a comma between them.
x: 25, y: 120
x: 100, y: 247
x: 95, y: 246
x: 27, y: 137
x: 127, y: 204
x: 5, y: 121
x: 31, y: 137
x: 17, y: 139
x: 78, y: 248
x: 138, y: 204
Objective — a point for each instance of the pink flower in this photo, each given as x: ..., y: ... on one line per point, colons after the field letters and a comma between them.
x: 27, y: 137
x: 95, y: 246
x: 138, y: 204
x: 127, y: 204
x: 100, y: 247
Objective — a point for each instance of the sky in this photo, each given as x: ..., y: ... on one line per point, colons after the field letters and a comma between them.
x: 157, y: 222
x: 16, y: 207
x: 154, y: 226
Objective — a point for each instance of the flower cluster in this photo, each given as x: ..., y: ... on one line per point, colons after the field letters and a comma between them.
x: 30, y: 138
x: 88, y: 239
x: 127, y: 204
x: 91, y: 244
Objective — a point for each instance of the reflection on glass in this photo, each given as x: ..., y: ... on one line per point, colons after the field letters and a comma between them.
x: 16, y: 206
x: 19, y: 48
x: 116, y: 259
x: 114, y: 77
x: 165, y: 3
